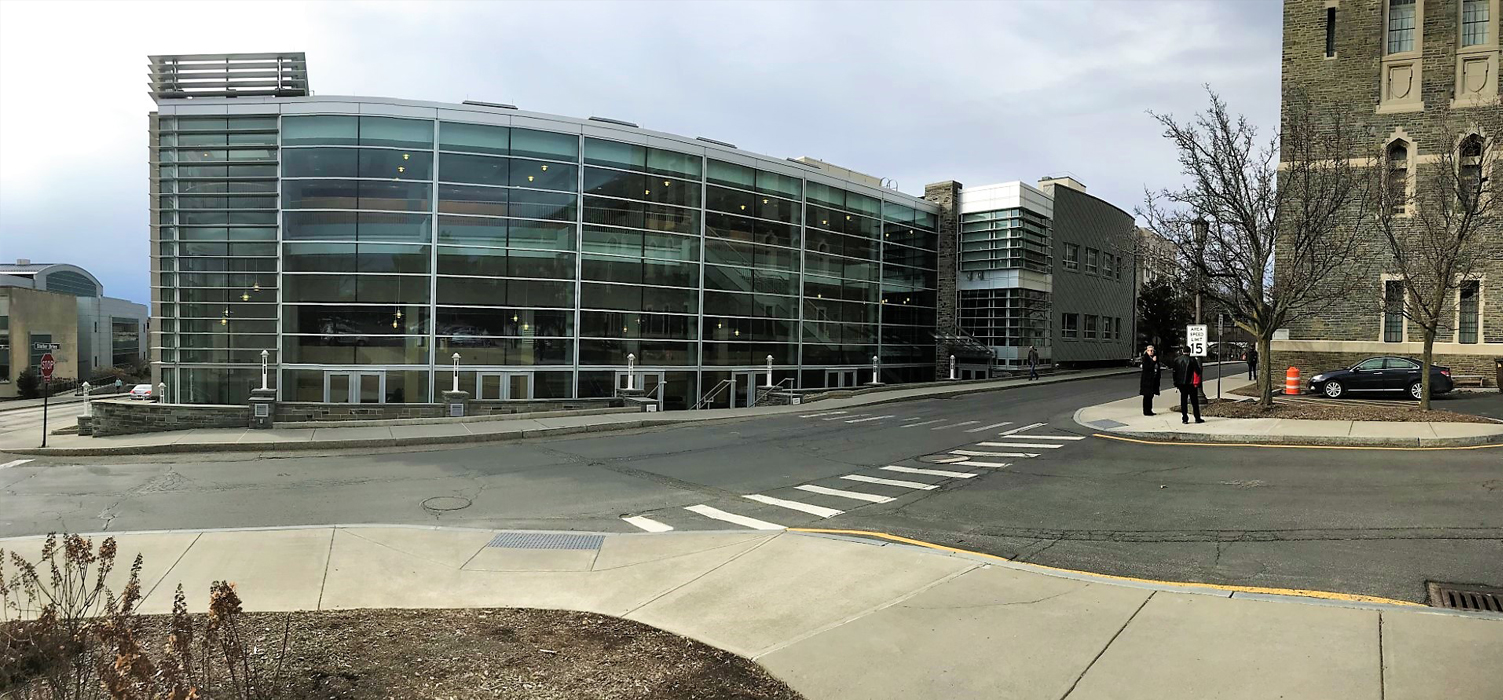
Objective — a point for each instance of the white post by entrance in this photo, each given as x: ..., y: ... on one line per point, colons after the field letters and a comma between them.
x: 264, y: 355
x: 162, y: 392
x: 876, y: 364
x: 952, y: 366
x: 456, y: 372
x: 87, y: 409
x: 769, y: 371
x: 631, y: 371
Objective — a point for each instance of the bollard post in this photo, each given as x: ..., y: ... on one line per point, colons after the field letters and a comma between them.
x: 769, y: 371
x: 876, y: 365
x: 264, y: 355
x: 952, y: 367
x: 162, y: 392
x: 456, y: 372
x: 631, y: 371
x: 87, y: 408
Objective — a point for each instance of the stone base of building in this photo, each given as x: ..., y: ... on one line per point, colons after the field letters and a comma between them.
x: 1314, y: 357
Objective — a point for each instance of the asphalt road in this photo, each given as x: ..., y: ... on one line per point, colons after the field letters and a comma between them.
x: 1376, y: 522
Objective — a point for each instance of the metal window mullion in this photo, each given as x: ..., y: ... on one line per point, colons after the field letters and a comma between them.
x: 579, y: 194
x: 432, y: 272
x: 699, y: 319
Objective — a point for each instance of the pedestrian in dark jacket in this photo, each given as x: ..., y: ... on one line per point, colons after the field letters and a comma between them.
x: 1149, y: 384
x: 1252, y: 363
x: 1187, y: 379
x: 1033, y: 363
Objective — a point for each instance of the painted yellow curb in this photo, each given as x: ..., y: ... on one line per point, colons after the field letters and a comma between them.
x: 1324, y: 595
x: 1288, y: 447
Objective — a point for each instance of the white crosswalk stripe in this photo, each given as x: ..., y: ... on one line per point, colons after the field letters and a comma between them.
x: 957, y: 425
x: 891, y: 482
x: 1026, y: 427
x: 930, y: 472
x: 975, y: 453
x: 741, y: 520
x: 809, y: 508
x: 1045, y: 437
x: 647, y: 524
x: 985, y: 428
x: 972, y: 463
x: 948, y: 460
x: 15, y: 463
x: 857, y: 495
x: 826, y: 413
x: 915, y: 425
x: 863, y: 420
x: 1025, y: 445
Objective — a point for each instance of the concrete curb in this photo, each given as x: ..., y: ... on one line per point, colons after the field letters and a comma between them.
x: 1306, y: 440
x: 872, y: 398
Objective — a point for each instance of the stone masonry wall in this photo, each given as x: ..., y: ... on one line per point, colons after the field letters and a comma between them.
x: 947, y: 196
x: 1351, y: 83
x: 299, y: 411
x: 131, y: 417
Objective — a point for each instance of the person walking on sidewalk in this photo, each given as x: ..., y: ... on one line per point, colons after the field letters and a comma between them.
x: 1033, y: 363
x: 1252, y: 362
x: 1187, y: 380
x: 1148, y: 385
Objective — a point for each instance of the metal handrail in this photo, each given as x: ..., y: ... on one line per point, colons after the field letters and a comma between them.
x: 714, y: 391
x: 766, y: 391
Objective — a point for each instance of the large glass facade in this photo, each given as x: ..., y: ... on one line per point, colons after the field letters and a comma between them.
x: 1005, y: 239
x: 1009, y: 317
x: 364, y: 252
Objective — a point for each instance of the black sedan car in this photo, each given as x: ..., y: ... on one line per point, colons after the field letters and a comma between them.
x: 1381, y: 374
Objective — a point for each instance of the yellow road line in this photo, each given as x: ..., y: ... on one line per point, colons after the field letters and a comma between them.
x: 1296, y: 447
x: 1325, y: 595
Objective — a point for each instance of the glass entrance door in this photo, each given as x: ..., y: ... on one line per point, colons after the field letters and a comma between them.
x: 649, y: 382
x: 744, y: 388
x: 840, y: 378
x: 518, y: 386
x: 354, y: 387
x: 497, y: 386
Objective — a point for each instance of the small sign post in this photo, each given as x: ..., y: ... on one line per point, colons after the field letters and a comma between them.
x: 47, y: 364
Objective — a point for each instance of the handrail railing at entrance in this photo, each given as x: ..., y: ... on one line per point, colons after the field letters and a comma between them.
x: 766, y: 391
x: 714, y: 392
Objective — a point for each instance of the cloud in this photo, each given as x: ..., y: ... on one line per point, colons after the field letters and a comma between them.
x: 918, y: 92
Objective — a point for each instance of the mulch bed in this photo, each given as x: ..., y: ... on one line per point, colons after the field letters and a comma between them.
x: 501, y: 653
x: 1312, y: 408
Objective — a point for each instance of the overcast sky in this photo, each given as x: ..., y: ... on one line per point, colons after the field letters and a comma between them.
x: 921, y: 92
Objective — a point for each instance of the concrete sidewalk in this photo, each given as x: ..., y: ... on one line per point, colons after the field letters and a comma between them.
x: 1125, y: 418
x: 335, y: 436
x: 841, y: 618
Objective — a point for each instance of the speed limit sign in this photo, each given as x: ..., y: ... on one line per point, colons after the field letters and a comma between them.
x: 1195, y: 337
x: 47, y: 364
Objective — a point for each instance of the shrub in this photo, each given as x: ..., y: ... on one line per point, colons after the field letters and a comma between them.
x: 29, y: 384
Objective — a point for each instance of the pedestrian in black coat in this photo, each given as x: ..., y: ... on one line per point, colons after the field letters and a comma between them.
x: 1149, y: 384
x: 1187, y: 379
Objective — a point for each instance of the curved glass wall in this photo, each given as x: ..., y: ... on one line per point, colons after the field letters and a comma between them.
x: 541, y: 258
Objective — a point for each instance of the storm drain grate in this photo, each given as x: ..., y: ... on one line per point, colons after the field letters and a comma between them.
x: 1463, y: 597
x: 545, y: 540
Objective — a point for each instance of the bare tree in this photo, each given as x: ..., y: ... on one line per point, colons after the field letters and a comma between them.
x: 1249, y: 197
x: 1440, y: 216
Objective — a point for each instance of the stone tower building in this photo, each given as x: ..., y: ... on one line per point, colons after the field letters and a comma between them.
x: 1405, y: 72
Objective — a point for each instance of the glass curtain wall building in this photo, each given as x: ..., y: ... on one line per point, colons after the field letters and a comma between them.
x: 363, y: 242
x: 1006, y: 269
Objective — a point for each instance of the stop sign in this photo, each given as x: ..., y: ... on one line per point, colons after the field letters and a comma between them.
x: 47, y: 365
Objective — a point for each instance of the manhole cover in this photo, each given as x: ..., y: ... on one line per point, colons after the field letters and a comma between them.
x: 1456, y: 596
x: 446, y: 503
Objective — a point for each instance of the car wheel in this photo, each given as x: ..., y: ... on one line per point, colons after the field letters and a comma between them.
x: 1333, y: 389
x: 1416, y: 390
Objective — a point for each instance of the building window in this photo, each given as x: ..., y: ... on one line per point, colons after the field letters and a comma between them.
x: 1469, y: 163
x: 1467, y: 304
x: 1393, y: 311
x: 1330, y: 32
x: 1072, y: 256
x: 1118, y: 276
x: 1474, y: 22
x: 1069, y: 325
x: 1090, y: 327
x: 1090, y: 261
x: 1398, y: 177
x: 1108, y: 266
x: 1401, y: 16
x: 1118, y: 331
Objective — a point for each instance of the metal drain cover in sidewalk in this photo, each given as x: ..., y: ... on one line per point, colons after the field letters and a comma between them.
x: 1456, y: 596
x: 545, y: 540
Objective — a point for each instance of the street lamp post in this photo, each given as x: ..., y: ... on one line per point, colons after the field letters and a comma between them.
x: 1200, y: 227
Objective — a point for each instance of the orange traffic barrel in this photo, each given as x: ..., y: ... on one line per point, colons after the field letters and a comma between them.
x: 1291, y: 382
